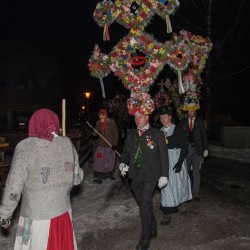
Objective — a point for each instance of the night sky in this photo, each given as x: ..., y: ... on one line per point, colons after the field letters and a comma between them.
x: 45, y: 45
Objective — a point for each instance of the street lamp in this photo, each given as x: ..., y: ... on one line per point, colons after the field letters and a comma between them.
x: 87, y: 95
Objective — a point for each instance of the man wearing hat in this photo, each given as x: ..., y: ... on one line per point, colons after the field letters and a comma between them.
x: 195, y: 131
x: 145, y: 159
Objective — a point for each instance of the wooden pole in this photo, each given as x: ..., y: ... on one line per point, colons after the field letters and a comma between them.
x: 117, y: 153
x: 64, y: 117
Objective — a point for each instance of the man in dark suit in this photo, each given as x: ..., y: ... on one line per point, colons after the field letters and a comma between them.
x: 195, y: 131
x: 146, y: 160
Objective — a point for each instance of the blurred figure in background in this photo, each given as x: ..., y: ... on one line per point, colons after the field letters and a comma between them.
x: 104, y: 157
x: 195, y: 131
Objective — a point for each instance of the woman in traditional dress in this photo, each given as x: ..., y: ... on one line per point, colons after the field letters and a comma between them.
x: 178, y: 190
x: 43, y: 171
x: 104, y: 157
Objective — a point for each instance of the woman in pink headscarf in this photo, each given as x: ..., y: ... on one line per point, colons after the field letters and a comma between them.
x: 43, y: 171
x: 104, y: 157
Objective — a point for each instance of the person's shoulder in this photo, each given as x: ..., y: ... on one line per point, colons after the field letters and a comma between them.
x: 62, y: 139
x: 201, y: 120
x: 183, y: 123
x: 111, y: 120
x: 156, y: 131
x: 178, y: 129
x: 183, y: 120
x: 131, y: 132
x: 27, y: 141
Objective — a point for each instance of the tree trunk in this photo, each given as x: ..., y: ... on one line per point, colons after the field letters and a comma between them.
x: 207, y: 81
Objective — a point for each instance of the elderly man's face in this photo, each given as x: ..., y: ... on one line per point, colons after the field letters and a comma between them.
x: 191, y: 113
x: 141, y: 120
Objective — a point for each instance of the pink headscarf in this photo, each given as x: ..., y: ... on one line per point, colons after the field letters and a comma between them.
x: 42, y: 123
x: 104, y: 123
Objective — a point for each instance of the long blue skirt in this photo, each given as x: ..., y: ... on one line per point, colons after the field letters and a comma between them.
x: 178, y: 189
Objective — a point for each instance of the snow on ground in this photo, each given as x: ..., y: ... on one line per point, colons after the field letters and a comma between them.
x: 242, y: 155
x: 96, y: 209
x: 92, y: 209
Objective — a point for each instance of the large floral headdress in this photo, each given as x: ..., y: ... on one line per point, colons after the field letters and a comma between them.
x: 140, y: 102
x: 191, y: 101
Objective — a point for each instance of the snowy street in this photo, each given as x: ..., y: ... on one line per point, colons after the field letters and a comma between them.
x: 106, y: 216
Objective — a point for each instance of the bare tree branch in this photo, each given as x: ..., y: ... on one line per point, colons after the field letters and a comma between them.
x: 199, y: 9
x: 196, y: 27
x: 230, y: 31
x: 232, y: 74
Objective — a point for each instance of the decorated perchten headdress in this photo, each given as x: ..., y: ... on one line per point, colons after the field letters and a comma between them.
x: 190, y: 101
x: 140, y: 102
x: 138, y: 58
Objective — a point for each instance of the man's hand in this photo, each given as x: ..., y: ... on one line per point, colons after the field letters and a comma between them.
x: 123, y: 168
x: 205, y: 154
x: 163, y: 181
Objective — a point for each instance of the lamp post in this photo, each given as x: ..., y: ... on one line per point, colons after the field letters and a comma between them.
x: 87, y: 95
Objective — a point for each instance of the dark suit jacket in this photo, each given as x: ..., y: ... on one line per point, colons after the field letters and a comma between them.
x: 155, y: 159
x: 199, y: 134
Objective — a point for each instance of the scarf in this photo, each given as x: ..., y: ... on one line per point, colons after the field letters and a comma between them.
x: 44, y: 124
x: 104, y: 124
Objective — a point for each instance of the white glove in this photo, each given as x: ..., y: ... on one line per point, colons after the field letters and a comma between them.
x: 123, y: 168
x: 205, y: 154
x: 163, y: 181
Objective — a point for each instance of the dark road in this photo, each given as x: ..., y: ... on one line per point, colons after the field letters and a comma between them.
x: 106, y: 216
x: 221, y: 220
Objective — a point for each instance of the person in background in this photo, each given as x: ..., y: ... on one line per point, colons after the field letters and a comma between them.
x: 43, y: 171
x: 104, y: 157
x: 195, y: 132
x: 144, y: 158
x: 178, y: 191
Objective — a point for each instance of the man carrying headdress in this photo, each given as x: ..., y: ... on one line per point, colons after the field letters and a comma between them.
x: 195, y: 131
x: 144, y: 158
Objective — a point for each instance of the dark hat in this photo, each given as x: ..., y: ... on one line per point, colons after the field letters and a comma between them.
x: 164, y: 110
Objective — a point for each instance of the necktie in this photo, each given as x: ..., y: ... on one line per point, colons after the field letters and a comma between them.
x: 166, y: 137
x: 191, y: 124
x: 141, y: 132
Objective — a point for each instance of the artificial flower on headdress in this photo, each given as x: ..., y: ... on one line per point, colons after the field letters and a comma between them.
x: 178, y: 58
x: 161, y: 99
x: 137, y: 60
x: 99, y: 66
x: 165, y: 8
x: 200, y: 48
x: 133, y: 13
x: 190, y: 101
x: 104, y: 16
x: 140, y: 102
